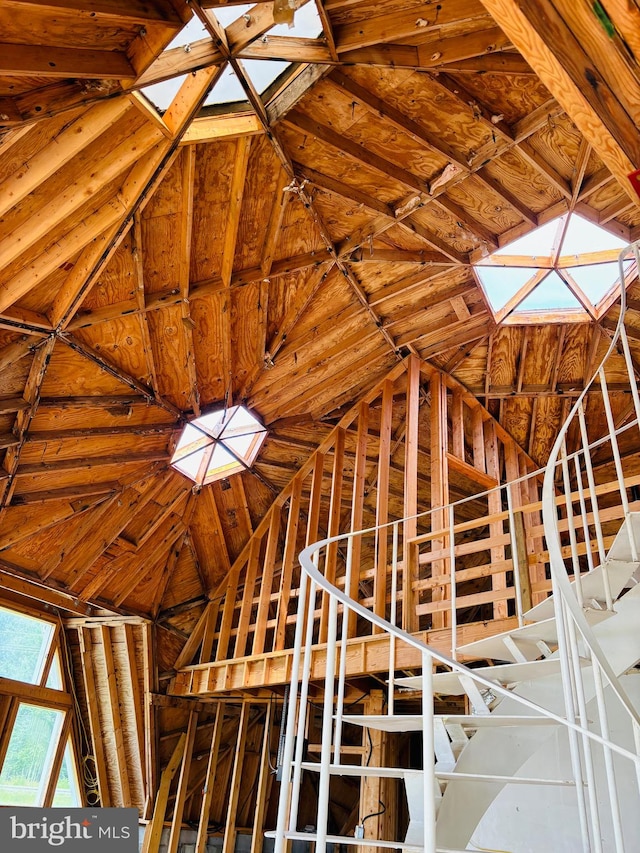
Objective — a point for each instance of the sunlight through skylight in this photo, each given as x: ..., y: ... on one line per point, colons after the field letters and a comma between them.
x: 550, y: 293
x: 585, y: 253
x: 162, y: 94
x: 218, y: 444
x: 192, y: 32
x: 226, y: 90
x: 501, y: 283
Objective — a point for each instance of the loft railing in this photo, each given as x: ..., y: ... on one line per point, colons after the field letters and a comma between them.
x: 571, y: 535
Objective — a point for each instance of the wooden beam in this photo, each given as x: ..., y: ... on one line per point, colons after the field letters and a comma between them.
x: 90, y: 689
x: 150, y: 679
x: 122, y: 764
x: 409, y: 528
x: 209, y: 783
x: 335, y: 506
x: 382, y: 501
x: 266, y: 583
x: 257, y: 836
x: 288, y: 563
x: 39, y: 60
x: 153, y: 832
x: 229, y: 840
x: 548, y: 44
x: 183, y: 785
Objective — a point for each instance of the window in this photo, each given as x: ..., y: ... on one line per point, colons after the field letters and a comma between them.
x: 29, y: 760
x: 569, y: 264
x: 24, y: 644
x: 218, y: 444
x: 39, y: 767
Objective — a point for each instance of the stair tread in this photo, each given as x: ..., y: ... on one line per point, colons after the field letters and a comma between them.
x: 494, y: 647
x: 619, y: 571
x: 402, y: 772
x: 413, y: 722
x: 504, y: 674
x: 621, y: 547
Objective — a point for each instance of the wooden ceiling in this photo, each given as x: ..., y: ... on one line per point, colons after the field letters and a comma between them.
x: 285, y: 252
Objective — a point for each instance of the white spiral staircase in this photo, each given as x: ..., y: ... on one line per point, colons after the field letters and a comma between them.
x: 548, y: 760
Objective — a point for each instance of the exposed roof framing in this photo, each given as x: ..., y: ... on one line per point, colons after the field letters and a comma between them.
x: 286, y: 251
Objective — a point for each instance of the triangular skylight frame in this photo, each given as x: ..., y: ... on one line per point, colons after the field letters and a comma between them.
x: 578, y: 235
x: 267, y: 74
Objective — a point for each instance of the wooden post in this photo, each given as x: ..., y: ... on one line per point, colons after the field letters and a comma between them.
x: 247, y: 596
x: 227, y: 613
x: 183, y: 784
x: 150, y: 731
x: 257, y: 836
x: 334, y: 526
x: 382, y: 502
x: 372, y: 789
x: 495, y: 505
x: 94, y: 719
x: 207, y: 790
x: 138, y: 703
x: 519, y: 547
x: 457, y: 424
x: 116, y: 721
x: 288, y: 563
x: 409, y: 616
x: 229, y: 841
x: 153, y: 832
x: 266, y: 586
x: 357, y: 507
x: 439, y: 485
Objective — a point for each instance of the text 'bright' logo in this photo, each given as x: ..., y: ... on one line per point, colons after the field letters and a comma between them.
x: 34, y: 830
x: 55, y: 833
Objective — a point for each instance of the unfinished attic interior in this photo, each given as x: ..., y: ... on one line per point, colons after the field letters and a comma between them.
x: 320, y: 461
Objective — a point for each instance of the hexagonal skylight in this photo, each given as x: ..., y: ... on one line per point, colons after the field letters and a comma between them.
x: 569, y: 264
x: 218, y: 444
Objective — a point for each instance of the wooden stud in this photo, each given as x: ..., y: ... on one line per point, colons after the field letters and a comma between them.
x: 288, y: 564
x: 228, y: 844
x: 246, y: 607
x: 439, y: 482
x: 382, y: 501
x: 137, y: 700
x: 150, y: 677
x: 411, y: 449
x: 357, y: 505
x: 88, y: 674
x: 334, y: 526
x: 257, y: 836
x: 266, y: 585
x: 183, y: 784
x: 153, y: 832
x: 208, y: 787
x: 122, y: 765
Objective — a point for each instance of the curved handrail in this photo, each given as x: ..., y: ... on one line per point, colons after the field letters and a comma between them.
x: 312, y: 579
x: 559, y: 572
x: 306, y: 561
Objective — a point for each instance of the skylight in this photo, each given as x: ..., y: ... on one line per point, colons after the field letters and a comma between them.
x: 569, y: 264
x: 218, y: 444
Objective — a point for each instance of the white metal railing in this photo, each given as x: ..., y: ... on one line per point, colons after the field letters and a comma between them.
x: 576, y: 639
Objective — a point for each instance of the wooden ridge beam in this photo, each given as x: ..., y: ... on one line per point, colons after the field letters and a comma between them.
x: 399, y: 24
x: 40, y: 60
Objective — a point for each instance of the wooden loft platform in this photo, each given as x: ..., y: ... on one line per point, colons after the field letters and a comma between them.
x: 308, y: 250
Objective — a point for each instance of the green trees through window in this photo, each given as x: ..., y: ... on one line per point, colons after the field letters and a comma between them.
x: 39, y: 767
